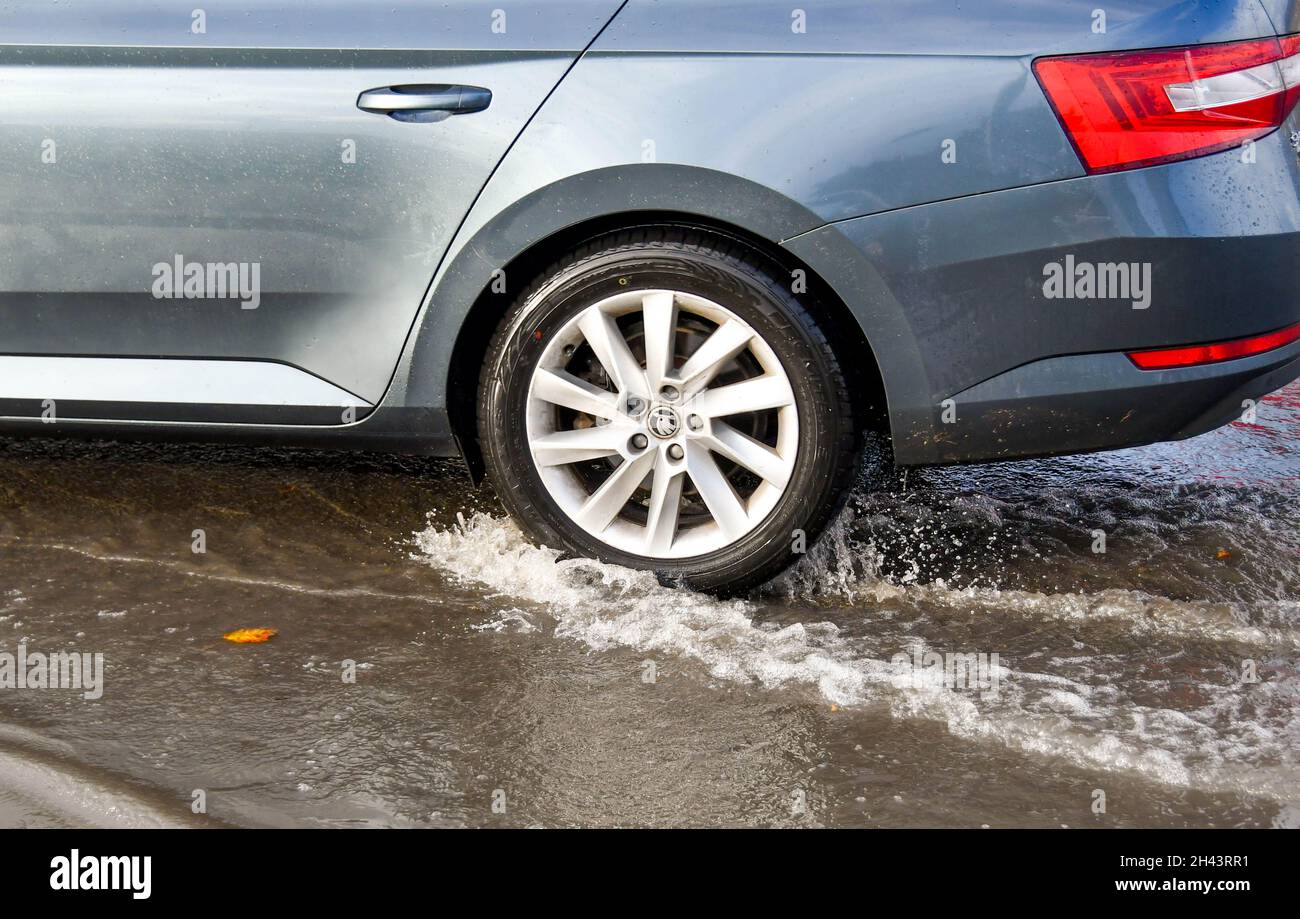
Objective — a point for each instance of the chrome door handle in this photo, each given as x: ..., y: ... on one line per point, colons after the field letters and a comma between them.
x: 424, y: 101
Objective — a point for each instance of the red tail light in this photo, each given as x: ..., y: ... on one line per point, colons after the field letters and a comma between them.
x: 1140, y: 108
x: 1168, y: 358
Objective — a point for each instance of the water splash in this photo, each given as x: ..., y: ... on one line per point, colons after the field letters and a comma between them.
x: 1088, y: 723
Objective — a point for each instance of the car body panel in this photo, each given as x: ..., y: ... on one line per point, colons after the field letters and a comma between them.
x: 395, y: 25
x: 1000, y: 28
x: 1284, y: 14
x: 901, y: 115
x: 1099, y: 402
x: 910, y: 266
x: 168, y: 145
x: 946, y: 308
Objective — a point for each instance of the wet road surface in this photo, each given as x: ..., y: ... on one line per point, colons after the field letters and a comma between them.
x: 496, y: 686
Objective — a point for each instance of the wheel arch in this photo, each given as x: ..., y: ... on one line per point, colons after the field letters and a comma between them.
x: 486, y: 272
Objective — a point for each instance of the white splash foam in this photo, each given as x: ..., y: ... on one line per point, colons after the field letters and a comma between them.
x: 510, y: 620
x: 606, y: 607
x: 843, y: 568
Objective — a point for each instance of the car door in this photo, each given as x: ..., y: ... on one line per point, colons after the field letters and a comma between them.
x: 270, y: 183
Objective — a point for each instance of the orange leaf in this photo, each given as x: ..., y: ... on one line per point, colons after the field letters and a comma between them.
x: 249, y: 636
x: 1224, y: 553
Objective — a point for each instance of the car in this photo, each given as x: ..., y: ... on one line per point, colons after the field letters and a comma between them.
x: 656, y: 269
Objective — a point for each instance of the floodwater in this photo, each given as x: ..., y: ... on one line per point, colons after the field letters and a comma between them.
x: 1152, y: 684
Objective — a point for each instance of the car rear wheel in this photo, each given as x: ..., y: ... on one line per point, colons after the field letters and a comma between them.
x: 661, y: 400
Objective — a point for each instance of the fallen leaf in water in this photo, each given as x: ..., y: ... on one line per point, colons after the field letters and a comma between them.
x: 1224, y: 553
x: 834, y: 707
x: 249, y: 636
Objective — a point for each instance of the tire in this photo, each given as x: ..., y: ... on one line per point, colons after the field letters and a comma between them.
x: 560, y: 466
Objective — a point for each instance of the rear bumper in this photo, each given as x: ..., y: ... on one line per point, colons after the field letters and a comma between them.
x: 952, y: 299
x: 1100, y: 402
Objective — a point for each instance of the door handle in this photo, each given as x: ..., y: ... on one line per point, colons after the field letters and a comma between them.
x: 424, y: 102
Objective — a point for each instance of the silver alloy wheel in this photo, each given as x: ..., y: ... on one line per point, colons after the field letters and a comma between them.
x: 659, y: 424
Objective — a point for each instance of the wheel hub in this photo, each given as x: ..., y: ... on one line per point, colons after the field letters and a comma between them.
x: 663, y: 422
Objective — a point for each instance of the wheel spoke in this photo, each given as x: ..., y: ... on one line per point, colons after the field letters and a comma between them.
x: 744, y: 450
x: 564, y: 447
x: 659, y: 315
x: 754, y: 395
x: 727, y: 340
x: 718, y: 495
x: 606, y: 339
x: 563, y: 388
x: 665, y: 503
x: 599, y: 510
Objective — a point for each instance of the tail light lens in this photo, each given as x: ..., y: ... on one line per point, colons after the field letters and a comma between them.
x: 1140, y: 108
x: 1195, y: 355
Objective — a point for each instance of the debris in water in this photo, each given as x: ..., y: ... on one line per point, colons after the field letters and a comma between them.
x: 250, y: 636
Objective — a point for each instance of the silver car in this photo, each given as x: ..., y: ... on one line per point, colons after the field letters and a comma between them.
x: 657, y: 268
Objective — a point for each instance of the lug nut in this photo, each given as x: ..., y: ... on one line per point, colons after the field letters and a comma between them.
x: 695, y: 422
x: 639, y: 442
x: 675, y: 451
x: 634, y: 406
x: 669, y: 393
